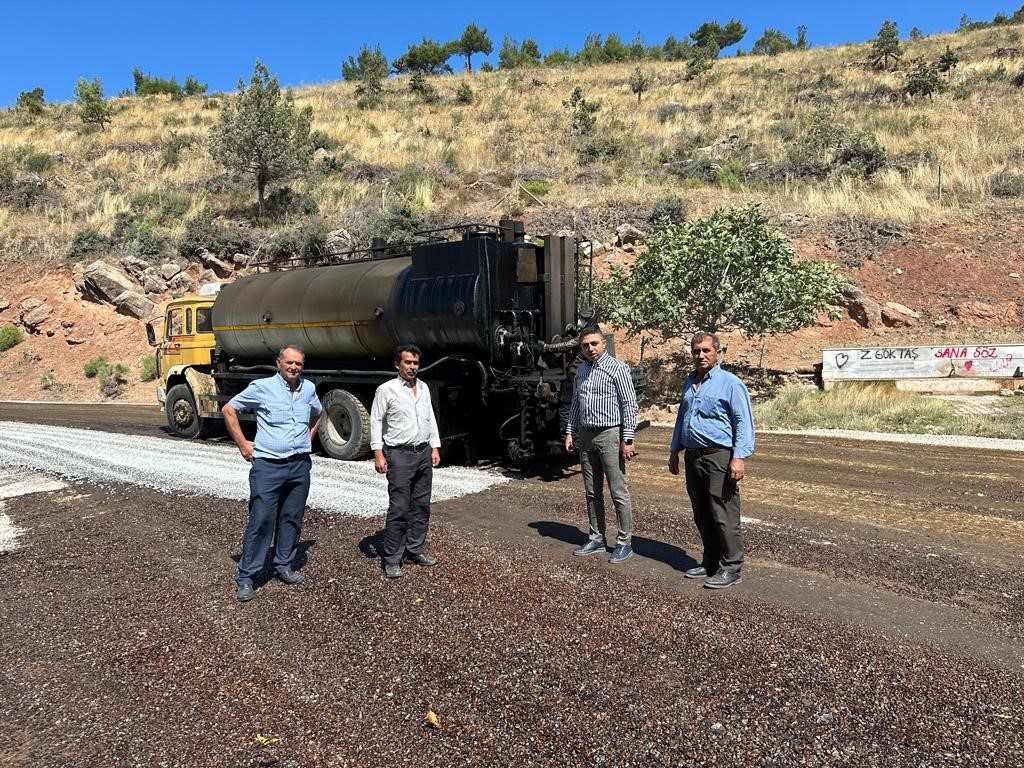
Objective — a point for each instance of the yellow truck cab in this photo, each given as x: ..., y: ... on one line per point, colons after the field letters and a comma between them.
x: 184, y: 361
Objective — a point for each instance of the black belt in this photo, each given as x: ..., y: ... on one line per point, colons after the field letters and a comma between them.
x: 709, y: 449
x: 594, y: 428
x: 293, y: 457
x: 408, y: 447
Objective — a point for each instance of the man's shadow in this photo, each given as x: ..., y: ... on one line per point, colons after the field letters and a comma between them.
x: 371, y: 546
x: 267, y: 571
x: 669, y: 554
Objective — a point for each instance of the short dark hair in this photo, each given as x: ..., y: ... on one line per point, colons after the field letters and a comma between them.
x: 286, y: 347
x: 412, y: 349
x: 700, y: 336
x: 590, y: 330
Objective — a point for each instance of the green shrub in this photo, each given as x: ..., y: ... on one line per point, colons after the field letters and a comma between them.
x: 305, y: 242
x: 145, y: 241
x: 321, y: 140
x: 95, y: 367
x: 537, y: 188
x: 1007, y: 184
x: 10, y: 335
x: 171, y: 154
x: 48, y: 381
x: 114, y: 380
x: 202, y: 233
x: 464, y: 94
x: 667, y: 113
x: 670, y: 209
x: 38, y: 162
x: 88, y: 242
x: 600, y: 147
x: 148, y: 368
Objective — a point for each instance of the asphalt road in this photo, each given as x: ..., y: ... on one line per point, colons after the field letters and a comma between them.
x: 885, y: 579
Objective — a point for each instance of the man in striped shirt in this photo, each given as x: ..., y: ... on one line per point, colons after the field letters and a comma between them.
x: 602, y: 425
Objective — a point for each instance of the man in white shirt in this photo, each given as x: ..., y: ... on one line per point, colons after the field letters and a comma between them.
x: 405, y: 443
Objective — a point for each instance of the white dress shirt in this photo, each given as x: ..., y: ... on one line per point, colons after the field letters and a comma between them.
x: 399, y: 417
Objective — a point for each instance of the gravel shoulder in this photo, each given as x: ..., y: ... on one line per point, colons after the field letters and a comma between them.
x: 879, y: 623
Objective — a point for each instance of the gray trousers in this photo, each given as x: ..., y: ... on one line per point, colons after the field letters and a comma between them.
x: 410, y: 477
x: 600, y: 458
x: 278, y: 489
x: 716, y: 508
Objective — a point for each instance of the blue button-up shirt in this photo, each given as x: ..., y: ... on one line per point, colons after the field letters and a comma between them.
x: 282, y: 417
x: 715, y: 413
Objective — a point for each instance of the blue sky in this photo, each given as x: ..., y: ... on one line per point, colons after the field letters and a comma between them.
x: 54, y: 43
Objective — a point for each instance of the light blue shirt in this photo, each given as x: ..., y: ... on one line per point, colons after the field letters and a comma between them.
x: 282, y: 418
x: 715, y: 413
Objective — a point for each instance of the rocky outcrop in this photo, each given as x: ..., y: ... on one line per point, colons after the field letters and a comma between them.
x: 980, y: 314
x: 134, y: 305
x: 861, y: 307
x: 34, y: 313
x: 898, y: 316
x: 103, y: 283
x: 627, y: 234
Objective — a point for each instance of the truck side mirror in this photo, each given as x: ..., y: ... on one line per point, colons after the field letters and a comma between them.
x: 150, y: 335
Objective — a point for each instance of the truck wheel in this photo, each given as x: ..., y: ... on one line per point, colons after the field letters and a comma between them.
x: 344, y: 426
x: 182, y: 415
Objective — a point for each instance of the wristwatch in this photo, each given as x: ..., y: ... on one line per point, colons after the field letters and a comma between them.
x: 628, y: 442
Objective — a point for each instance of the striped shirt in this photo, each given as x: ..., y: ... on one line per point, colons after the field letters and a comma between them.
x: 283, y: 418
x: 603, y: 396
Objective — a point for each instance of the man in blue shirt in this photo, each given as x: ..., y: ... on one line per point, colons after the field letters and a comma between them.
x: 715, y: 431
x: 287, y: 415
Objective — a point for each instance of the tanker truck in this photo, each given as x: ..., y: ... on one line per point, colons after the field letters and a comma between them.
x: 494, y: 313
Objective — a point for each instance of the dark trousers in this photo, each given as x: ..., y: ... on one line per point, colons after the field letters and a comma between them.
x: 716, y: 509
x: 410, y: 477
x: 277, y: 500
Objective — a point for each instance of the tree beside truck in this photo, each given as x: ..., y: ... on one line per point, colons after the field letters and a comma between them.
x: 494, y: 313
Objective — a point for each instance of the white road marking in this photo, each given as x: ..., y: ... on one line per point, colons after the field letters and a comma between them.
x: 207, y: 469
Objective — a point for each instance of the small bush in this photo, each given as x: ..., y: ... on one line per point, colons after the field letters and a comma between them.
x: 1007, y: 184
x: 203, y: 233
x: 148, y: 369
x: 171, y: 155
x: 95, y: 366
x: 88, y: 242
x: 48, y: 381
x: 668, y: 209
x: 600, y: 147
x: 464, y: 94
x: 321, y: 140
x: 39, y: 162
x: 667, y: 113
x: 535, y: 188
x: 10, y: 335
x: 114, y: 380
x: 306, y: 242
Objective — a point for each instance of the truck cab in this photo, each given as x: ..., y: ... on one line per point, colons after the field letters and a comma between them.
x: 187, y: 340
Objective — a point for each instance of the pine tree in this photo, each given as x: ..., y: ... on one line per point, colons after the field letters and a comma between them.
x: 639, y: 83
x: 887, y: 45
x: 261, y: 133
x: 948, y: 61
x: 369, y: 69
x: 473, y: 40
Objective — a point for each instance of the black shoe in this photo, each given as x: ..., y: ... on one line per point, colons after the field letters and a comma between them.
x: 244, y: 593
x: 291, y: 577
x: 422, y: 558
x: 620, y: 553
x: 393, y: 570
x: 697, y: 572
x: 723, y: 580
x: 592, y: 546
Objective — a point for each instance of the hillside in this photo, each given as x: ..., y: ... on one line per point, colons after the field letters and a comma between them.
x: 145, y: 189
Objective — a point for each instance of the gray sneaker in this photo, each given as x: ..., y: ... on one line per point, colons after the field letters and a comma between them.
x: 723, y: 580
x: 592, y: 546
x: 697, y: 572
x: 244, y: 593
x: 620, y: 553
x: 393, y: 570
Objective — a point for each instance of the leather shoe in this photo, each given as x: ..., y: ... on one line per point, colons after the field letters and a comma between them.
x: 620, y: 553
x: 244, y: 593
x: 291, y: 577
x: 592, y: 546
x: 393, y: 570
x: 422, y: 558
x: 723, y: 580
x: 697, y: 572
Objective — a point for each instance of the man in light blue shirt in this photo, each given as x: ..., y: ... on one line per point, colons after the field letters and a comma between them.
x: 715, y: 431
x: 287, y: 415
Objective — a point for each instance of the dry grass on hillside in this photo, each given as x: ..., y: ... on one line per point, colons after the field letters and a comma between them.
x: 469, y: 160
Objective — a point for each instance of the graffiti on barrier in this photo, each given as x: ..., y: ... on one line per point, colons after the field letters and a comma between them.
x: 887, y: 363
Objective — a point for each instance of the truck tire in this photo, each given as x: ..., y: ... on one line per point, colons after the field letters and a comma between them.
x: 182, y: 415
x: 344, y: 426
